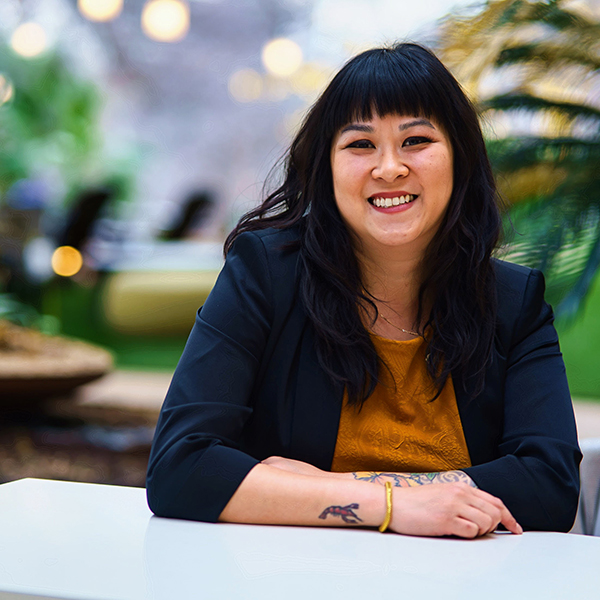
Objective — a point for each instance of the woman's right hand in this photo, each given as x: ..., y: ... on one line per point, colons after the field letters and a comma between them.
x: 450, y: 509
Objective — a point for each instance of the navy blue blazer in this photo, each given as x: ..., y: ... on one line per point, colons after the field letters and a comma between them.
x: 249, y: 386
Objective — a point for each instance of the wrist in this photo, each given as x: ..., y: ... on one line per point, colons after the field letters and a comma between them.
x: 377, y: 505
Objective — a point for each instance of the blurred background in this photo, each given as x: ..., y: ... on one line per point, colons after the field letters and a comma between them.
x: 135, y: 133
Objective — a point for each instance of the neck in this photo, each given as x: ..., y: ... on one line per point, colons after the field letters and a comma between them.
x: 392, y: 278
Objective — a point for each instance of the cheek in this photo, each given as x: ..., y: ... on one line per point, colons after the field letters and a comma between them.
x: 442, y: 171
x: 450, y: 178
x: 344, y: 178
x: 335, y: 174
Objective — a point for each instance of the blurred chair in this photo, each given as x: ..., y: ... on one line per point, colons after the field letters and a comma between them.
x: 588, y: 520
x: 87, y: 207
x: 155, y: 302
x: 196, y: 209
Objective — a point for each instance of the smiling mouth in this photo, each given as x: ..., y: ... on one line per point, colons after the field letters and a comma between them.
x: 389, y: 202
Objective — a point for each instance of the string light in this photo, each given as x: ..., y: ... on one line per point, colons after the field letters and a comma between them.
x: 29, y: 40
x: 100, y: 10
x: 66, y: 261
x: 166, y: 20
x: 282, y: 57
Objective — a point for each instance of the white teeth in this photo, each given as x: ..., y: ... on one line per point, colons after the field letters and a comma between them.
x: 388, y: 202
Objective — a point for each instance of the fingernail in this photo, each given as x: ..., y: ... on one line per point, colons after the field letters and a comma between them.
x: 520, y: 529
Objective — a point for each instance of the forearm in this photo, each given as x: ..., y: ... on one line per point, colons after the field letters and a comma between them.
x: 273, y: 496
x: 410, y: 479
x: 396, y: 479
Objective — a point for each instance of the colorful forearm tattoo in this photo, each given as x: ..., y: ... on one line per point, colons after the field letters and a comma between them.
x: 414, y: 479
x: 346, y: 512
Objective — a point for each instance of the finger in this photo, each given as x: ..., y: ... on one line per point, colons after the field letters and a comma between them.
x: 506, y: 518
x: 495, y: 513
x: 487, y: 497
x: 484, y: 521
x: 510, y: 522
x: 464, y: 528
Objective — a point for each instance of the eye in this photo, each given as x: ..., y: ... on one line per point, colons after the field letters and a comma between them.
x: 416, y: 140
x: 361, y: 144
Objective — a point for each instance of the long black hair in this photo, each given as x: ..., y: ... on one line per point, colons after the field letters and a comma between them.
x: 458, y: 283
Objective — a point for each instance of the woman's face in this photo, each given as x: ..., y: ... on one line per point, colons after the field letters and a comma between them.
x: 392, y: 180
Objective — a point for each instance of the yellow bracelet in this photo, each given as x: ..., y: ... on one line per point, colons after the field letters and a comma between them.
x: 388, y: 508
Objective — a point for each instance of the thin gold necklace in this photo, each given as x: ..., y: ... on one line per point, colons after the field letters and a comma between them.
x: 399, y: 328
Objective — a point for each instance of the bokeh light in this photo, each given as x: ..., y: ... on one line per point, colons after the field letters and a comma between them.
x: 6, y: 90
x: 282, y: 57
x: 276, y: 89
x: 29, y: 40
x: 245, y: 85
x: 309, y: 80
x: 66, y: 261
x: 100, y: 10
x: 166, y: 20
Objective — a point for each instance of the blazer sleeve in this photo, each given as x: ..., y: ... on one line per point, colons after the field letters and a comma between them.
x: 195, y: 463
x: 537, y: 472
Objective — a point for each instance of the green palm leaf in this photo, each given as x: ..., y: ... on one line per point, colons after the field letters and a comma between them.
x: 548, y: 55
x: 530, y: 103
x: 550, y: 176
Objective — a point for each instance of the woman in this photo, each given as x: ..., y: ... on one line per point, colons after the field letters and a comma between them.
x: 361, y: 334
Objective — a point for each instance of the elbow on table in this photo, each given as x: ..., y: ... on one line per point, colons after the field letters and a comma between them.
x: 561, y: 522
x: 166, y: 499
x: 161, y: 500
x: 157, y: 503
x: 558, y: 513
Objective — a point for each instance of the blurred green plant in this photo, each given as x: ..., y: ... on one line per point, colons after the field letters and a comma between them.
x: 15, y: 311
x: 533, y: 68
x: 49, y: 130
x: 49, y: 121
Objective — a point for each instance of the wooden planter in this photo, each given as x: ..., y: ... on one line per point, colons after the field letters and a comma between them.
x: 34, y: 366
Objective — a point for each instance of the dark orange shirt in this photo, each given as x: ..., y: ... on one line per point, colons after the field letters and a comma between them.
x: 399, y: 428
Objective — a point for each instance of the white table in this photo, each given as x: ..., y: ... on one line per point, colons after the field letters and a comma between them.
x: 98, y: 542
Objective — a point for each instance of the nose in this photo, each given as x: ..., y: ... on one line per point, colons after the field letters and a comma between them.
x: 390, y: 166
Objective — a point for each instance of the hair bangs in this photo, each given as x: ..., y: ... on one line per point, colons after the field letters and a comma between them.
x: 380, y: 82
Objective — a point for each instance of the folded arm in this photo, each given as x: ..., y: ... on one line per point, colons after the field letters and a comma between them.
x: 396, y: 479
x: 282, y: 496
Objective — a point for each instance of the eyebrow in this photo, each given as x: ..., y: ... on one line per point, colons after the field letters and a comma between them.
x: 369, y: 129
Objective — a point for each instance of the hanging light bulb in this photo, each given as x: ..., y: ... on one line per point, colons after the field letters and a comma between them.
x: 100, y: 10
x: 282, y: 57
x: 166, y: 20
x: 29, y: 40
